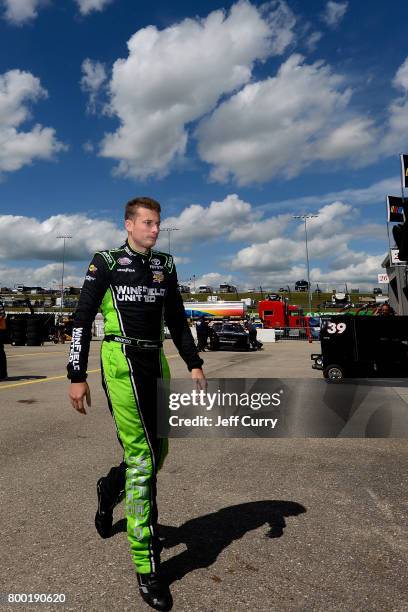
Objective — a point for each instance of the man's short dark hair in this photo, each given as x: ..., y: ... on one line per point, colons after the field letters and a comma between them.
x: 142, y: 202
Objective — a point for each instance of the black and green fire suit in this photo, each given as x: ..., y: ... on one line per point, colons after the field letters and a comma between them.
x: 3, y: 358
x: 137, y: 293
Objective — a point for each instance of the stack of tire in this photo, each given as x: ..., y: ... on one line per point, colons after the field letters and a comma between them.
x: 68, y: 327
x: 18, y: 331
x: 34, y: 331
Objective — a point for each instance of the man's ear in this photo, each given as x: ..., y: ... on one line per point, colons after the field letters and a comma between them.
x: 128, y: 224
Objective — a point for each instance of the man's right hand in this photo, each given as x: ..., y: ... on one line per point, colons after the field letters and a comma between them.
x: 77, y: 393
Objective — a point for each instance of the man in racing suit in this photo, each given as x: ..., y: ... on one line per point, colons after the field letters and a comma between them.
x: 3, y: 358
x: 136, y: 289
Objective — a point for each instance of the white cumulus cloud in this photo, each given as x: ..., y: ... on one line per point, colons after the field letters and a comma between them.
x: 361, y: 269
x: 17, y: 147
x: 280, y: 259
x: 396, y: 126
x: 18, y: 12
x: 87, y: 6
x: 29, y: 238
x: 360, y: 196
x: 202, y: 223
x: 281, y: 125
x: 94, y: 76
x: 174, y: 76
x: 271, y: 247
x: 48, y: 276
x: 210, y: 279
x: 401, y: 77
x: 334, y: 13
x: 258, y: 231
x: 181, y: 261
x: 312, y: 40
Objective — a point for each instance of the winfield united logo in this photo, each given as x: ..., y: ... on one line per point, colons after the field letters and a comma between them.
x: 124, y: 261
x: 139, y: 293
x: 155, y: 262
x: 75, y: 350
x: 158, y: 277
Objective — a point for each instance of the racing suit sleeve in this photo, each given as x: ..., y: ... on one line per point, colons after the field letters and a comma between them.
x: 94, y: 288
x: 176, y: 320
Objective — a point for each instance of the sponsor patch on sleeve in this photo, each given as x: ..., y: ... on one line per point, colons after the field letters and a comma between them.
x: 169, y: 264
x: 108, y: 258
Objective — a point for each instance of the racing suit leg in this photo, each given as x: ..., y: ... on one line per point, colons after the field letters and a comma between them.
x: 130, y: 379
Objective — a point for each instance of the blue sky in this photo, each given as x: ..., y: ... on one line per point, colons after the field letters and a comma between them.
x: 234, y: 115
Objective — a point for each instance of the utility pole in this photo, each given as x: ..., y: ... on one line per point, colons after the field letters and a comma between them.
x: 169, y: 230
x: 64, y: 238
x: 305, y: 218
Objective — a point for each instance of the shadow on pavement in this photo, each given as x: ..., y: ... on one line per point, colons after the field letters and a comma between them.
x: 207, y: 536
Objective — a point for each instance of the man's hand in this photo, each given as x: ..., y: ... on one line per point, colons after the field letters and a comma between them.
x: 200, y: 380
x: 77, y: 393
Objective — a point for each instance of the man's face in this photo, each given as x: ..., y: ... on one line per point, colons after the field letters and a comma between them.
x: 143, y: 229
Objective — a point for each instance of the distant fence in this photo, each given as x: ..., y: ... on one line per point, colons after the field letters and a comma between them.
x: 296, y: 333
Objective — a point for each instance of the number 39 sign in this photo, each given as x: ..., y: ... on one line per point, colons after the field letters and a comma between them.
x: 336, y: 328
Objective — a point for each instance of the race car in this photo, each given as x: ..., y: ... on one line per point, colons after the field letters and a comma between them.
x: 229, y: 336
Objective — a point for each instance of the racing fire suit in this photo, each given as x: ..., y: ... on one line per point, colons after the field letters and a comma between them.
x: 3, y: 358
x: 137, y: 293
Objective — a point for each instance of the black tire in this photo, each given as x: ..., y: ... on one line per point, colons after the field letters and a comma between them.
x: 334, y: 372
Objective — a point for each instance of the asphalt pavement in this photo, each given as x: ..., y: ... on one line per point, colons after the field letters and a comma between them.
x: 275, y: 525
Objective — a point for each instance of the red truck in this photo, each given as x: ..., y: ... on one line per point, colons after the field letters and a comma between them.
x: 278, y: 314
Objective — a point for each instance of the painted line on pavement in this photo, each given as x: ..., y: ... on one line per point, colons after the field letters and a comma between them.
x: 33, y: 382
x: 42, y: 353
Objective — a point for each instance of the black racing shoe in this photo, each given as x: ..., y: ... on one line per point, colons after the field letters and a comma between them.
x: 155, y: 591
x: 104, y: 514
x: 110, y: 491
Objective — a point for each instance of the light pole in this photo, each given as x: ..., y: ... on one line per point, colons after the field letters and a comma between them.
x: 305, y: 218
x: 64, y: 238
x: 169, y: 230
